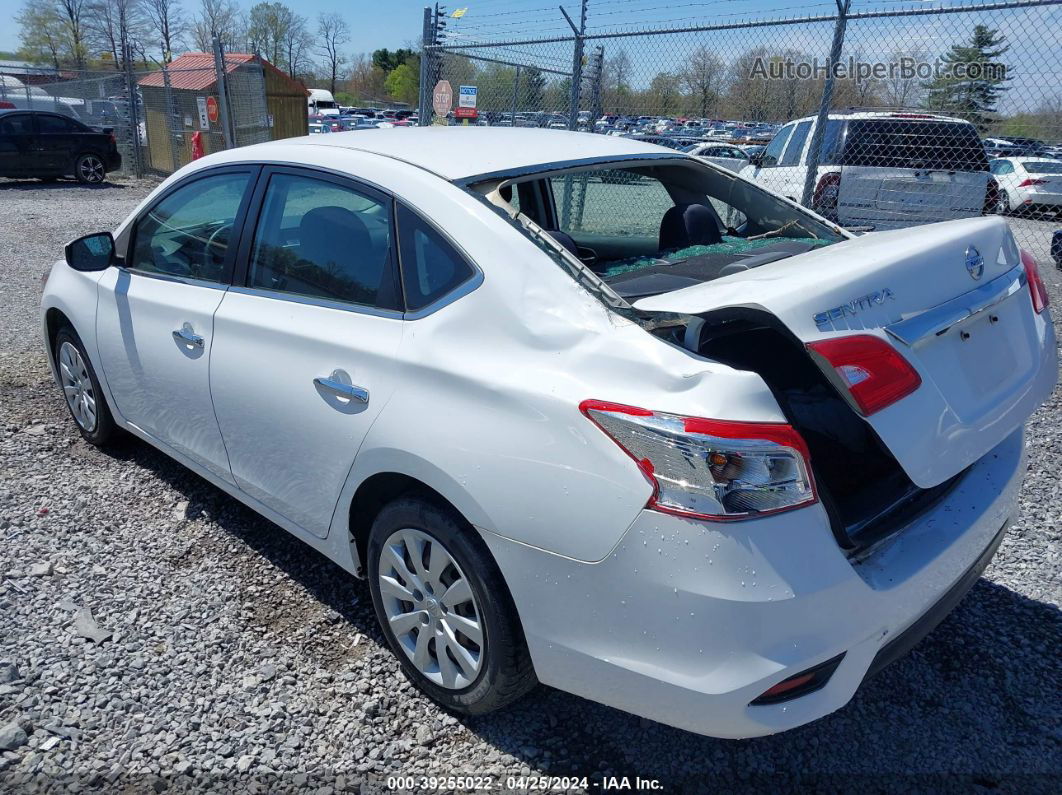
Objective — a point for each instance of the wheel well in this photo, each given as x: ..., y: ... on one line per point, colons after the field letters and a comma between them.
x: 374, y: 493
x: 55, y: 320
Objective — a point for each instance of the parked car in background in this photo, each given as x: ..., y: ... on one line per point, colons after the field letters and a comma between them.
x: 881, y: 170
x: 1000, y: 147
x: 332, y: 122
x: 52, y: 145
x: 718, y: 488
x: 724, y: 155
x: 1028, y: 184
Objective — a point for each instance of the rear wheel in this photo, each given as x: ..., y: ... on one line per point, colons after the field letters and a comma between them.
x: 81, y: 389
x: 1003, y: 202
x: 444, y: 608
x: 89, y: 169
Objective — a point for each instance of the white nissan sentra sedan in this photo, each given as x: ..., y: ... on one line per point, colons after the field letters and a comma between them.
x: 584, y: 411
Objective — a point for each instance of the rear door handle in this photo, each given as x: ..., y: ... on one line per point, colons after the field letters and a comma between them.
x: 348, y: 391
x: 186, y: 335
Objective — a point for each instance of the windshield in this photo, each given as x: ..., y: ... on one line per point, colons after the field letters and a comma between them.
x: 650, y: 229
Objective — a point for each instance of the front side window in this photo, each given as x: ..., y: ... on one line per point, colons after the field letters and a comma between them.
x: 188, y: 232
x: 774, y: 149
x: 321, y: 239
x: 796, y: 144
x: 431, y: 267
x: 21, y: 124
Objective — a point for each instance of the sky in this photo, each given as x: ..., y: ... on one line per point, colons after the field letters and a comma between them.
x: 1035, y: 34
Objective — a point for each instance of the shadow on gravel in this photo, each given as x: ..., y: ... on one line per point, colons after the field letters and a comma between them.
x: 974, y: 707
x: 36, y: 184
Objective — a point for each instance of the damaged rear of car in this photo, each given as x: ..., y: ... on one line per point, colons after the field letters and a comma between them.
x: 905, y: 365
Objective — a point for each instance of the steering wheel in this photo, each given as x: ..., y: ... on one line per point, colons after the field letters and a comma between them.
x: 219, y: 238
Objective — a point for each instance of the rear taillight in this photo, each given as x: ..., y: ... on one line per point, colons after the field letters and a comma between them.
x: 1028, y: 183
x: 870, y: 369
x: 1037, y: 288
x: 114, y: 141
x: 710, y: 469
x: 824, y: 201
x: 991, y: 197
x: 7, y: 105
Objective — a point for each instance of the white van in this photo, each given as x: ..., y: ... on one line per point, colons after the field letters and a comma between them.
x: 322, y: 102
x: 881, y: 170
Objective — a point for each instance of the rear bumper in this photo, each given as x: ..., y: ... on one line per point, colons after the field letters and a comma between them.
x: 113, y: 162
x: 1042, y: 199
x: 688, y: 622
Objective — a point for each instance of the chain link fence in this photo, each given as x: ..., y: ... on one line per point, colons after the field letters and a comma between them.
x: 162, y: 118
x: 878, y: 119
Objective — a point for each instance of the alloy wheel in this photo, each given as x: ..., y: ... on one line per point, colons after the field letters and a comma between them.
x: 77, y: 386
x: 430, y: 608
x: 1003, y: 203
x: 90, y: 169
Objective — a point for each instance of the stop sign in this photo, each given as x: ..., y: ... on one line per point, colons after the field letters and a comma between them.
x: 212, y: 109
x: 443, y: 97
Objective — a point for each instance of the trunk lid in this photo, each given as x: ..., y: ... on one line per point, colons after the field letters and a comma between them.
x: 986, y: 359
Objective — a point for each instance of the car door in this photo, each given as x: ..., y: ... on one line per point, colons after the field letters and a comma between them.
x: 57, y: 141
x: 155, y: 319
x: 765, y: 172
x: 304, y: 348
x: 18, y: 155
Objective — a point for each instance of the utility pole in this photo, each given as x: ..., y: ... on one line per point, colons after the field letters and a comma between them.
x: 427, y: 40
x: 577, y: 63
x: 223, y: 98
x: 595, y: 85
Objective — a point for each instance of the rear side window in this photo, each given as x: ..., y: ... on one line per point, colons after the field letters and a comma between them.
x: 1044, y: 168
x: 896, y: 143
x: 319, y: 238
x: 16, y: 125
x: 431, y: 267
x: 57, y: 124
x: 1001, y: 167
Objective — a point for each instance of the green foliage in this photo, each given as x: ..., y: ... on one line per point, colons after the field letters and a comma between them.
x: 389, y: 60
x: 975, y: 78
x: 345, y: 98
x: 403, y: 84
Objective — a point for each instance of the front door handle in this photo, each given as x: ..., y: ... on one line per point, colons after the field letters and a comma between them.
x: 348, y: 391
x: 185, y: 335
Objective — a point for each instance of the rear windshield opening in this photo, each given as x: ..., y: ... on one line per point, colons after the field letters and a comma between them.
x: 652, y: 229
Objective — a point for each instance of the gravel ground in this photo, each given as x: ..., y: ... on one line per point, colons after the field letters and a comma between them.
x: 238, y: 659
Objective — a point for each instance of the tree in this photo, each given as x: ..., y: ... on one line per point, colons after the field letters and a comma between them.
x: 332, y: 33
x: 366, y: 79
x: 389, y: 60
x: 664, y: 93
x: 903, y: 89
x: 268, y: 30
x: 702, y: 77
x: 221, y: 18
x: 71, y: 12
x: 43, y: 34
x: 297, y: 43
x: 617, y: 82
x: 973, y: 78
x: 532, y: 87
x: 114, y: 25
x: 166, y: 20
x: 403, y: 84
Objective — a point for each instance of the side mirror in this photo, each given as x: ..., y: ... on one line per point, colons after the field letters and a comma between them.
x: 91, y: 253
x: 756, y: 159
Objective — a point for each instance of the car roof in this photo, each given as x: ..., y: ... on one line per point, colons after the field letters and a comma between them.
x: 457, y: 153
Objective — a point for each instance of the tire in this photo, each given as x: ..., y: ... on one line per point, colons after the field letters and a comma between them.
x: 77, y: 380
x: 1003, y: 202
x: 89, y: 169
x: 503, y: 671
